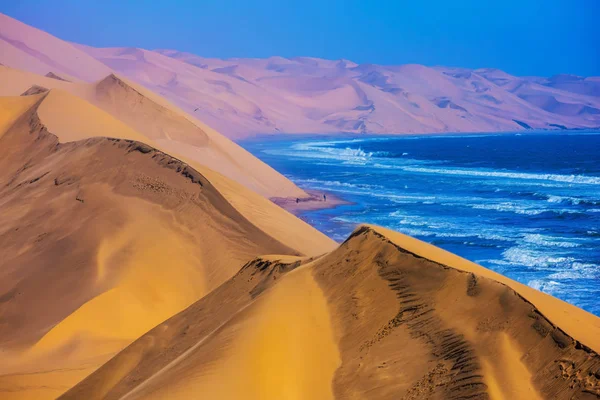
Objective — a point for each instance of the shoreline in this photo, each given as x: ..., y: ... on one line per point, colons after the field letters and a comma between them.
x: 315, y: 201
x: 277, y: 135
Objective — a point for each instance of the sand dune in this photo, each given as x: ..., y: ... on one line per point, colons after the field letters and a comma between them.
x: 242, y: 97
x: 246, y: 96
x: 160, y: 122
x: 142, y: 259
x: 397, y: 318
x: 104, y: 238
x: 25, y: 47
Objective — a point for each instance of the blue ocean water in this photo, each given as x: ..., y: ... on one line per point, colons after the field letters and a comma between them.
x: 525, y: 205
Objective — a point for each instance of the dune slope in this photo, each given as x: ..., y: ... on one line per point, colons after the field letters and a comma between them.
x: 103, y: 238
x: 399, y: 325
x: 163, y: 123
x: 25, y: 47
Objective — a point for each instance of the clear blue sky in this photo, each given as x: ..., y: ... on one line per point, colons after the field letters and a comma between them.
x: 523, y: 37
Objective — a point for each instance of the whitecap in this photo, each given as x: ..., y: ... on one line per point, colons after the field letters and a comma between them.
x: 549, y: 241
x: 577, y: 179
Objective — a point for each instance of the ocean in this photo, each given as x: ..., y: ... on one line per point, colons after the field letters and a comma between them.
x: 524, y: 205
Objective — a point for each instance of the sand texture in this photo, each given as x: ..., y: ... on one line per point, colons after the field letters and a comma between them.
x: 141, y: 257
x: 374, y: 319
x: 104, y: 238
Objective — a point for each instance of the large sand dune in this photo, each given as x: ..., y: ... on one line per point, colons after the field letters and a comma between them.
x: 105, y: 237
x: 148, y: 117
x: 384, y: 316
x: 121, y: 279
x: 142, y: 259
x: 241, y: 97
x: 22, y: 45
x: 248, y: 96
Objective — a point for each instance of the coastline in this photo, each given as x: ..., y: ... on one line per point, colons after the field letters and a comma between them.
x: 315, y: 201
x: 258, y: 137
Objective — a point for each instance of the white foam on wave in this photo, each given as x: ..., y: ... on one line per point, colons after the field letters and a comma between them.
x: 578, y: 271
x: 430, y: 226
x: 571, y: 200
x: 549, y: 287
x: 522, y: 208
x: 549, y: 241
x: 509, y: 207
x: 523, y: 256
x: 555, y: 199
x: 337, y: 184
x: 576, y: 179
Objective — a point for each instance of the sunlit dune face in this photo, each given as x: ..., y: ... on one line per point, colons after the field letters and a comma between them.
x: 11, y: 108
x: 280, y: 347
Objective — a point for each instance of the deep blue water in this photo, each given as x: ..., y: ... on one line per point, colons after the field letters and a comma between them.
x: 525, y: 205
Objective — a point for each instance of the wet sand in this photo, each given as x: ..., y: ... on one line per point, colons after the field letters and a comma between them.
x: 315, y: 201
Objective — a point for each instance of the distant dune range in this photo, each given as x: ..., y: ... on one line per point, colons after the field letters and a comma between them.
x: 242, y: 97
x: 141, y: 258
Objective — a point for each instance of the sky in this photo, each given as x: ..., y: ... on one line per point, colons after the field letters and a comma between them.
x: 522, y: 37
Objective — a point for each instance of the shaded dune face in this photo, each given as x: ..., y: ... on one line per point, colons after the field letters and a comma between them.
x: 101, y: 240
x: 400, y: 326
x: 414, y: 328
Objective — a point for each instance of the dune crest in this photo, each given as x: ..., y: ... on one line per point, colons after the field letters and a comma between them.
x: 404, y: 326
x: 126, y: 234
x: 142, y: 257
x: 148, y: 117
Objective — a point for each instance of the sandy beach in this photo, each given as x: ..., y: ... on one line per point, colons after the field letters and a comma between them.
x: 315, y: 201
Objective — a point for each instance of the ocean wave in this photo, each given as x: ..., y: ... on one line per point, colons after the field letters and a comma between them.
x: 549, y: 287
x: 577, y: 179
x: 409, y: 224
x: 549, y: 241
x: 576, y: 201
x: 337, y: 184
x: 508, y: 207
x: 527, y: 257
x: 523, y: 209
x: 578, y: 271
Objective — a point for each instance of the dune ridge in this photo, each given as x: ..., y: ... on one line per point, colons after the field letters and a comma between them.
x: 125, y: 234
x: 143, y: 259
x: 145, y: 114
x: 403, y: 325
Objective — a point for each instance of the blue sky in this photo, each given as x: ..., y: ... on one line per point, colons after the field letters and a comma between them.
x: 522, y: 37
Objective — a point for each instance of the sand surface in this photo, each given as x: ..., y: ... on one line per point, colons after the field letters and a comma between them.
x: 106, y: 238
x: 317, y: 200
x: 391, y: 322
x: 147, y: 117
x: 143, y: 259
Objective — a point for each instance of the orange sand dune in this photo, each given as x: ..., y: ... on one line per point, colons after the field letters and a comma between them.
x: 161, y: 122
x: 104, y: 238
x: 112, y: 245
x: 384, y: 316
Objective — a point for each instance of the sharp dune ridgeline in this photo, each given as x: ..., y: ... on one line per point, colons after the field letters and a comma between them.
x: 105, y: 237
x: 376, y: 318
x: 141, y: 257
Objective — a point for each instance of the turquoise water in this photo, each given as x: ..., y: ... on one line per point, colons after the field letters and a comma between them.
x: 527, y: 206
